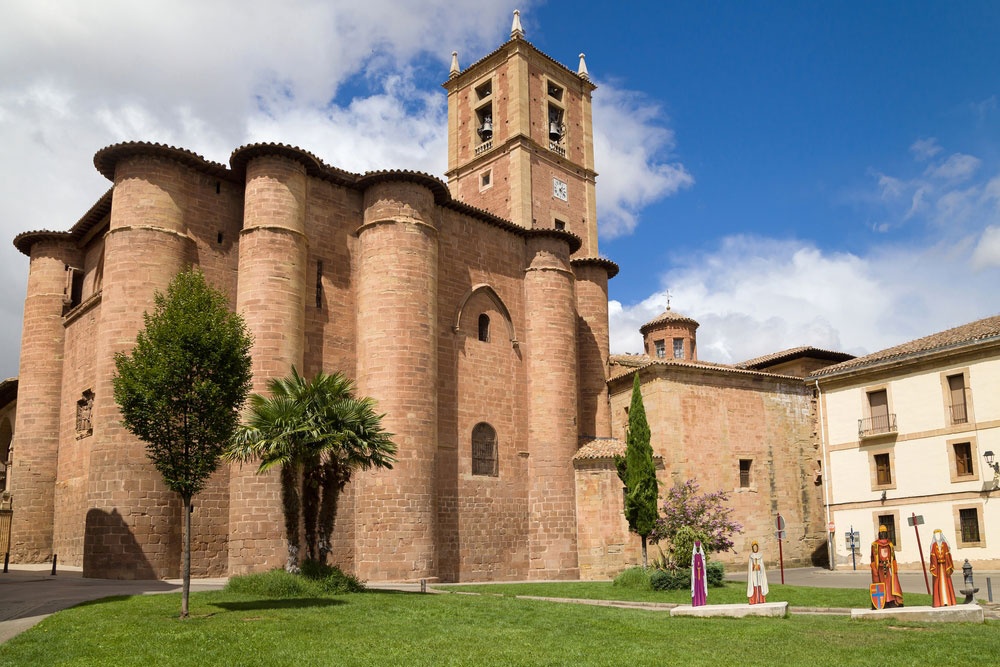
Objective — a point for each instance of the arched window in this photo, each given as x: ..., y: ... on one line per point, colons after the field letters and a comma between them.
x: 484, y: 450
x: 484, y: 328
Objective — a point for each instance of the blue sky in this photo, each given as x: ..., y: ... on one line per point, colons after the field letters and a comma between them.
x: 793, y: 173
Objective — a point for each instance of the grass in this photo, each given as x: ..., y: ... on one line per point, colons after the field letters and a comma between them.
x: 384, y: 628
x: 731, y: 592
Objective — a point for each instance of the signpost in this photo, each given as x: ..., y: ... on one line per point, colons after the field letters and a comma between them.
x: 915, y: 521
x: 851, y: 537
x: 780, y: 523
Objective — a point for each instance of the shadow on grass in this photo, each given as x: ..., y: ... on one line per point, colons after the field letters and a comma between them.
x: 292, y: 603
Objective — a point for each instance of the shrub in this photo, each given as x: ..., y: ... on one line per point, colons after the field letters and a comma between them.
x: 680, y: 578
x: 315, y: 580
x: 331, y: 579
x: 636, y: 578
x: 682, y: 545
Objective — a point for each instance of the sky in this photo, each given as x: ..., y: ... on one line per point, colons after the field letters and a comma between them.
x: 786, y: 173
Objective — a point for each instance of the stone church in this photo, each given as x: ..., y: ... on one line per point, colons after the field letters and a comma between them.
x: 474, y: 311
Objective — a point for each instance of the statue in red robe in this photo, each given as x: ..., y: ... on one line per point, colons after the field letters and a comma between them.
x: 941, y: 569
x: 885, y: 570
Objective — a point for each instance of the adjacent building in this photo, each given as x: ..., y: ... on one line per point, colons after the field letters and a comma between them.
x: 912, y: 432
x: 746, y: 429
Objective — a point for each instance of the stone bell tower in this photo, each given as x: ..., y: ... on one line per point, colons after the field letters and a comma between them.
x: 521, y: 141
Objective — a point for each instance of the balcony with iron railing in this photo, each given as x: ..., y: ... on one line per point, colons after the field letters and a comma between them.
x: 869, y: 427
x: 959, y: 413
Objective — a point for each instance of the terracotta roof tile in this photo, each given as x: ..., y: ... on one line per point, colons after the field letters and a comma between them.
x: 794, y: 353
x: 667, y: 316
x: 987, y: 329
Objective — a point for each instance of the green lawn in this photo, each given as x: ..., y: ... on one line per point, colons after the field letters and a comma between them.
x: 384, y: 628
x: 731, y: 592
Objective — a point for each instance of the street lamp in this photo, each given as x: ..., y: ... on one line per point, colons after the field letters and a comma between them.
x: 988, y: 455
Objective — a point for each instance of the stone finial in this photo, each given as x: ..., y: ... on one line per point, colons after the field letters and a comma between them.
x: 581, y: 71
x: 454, y: 65
x: 516, y: 31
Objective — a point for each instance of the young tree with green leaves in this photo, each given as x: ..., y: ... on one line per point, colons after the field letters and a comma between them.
x: 637, y: 471
x: 182, y: 386
x: 319, y: 433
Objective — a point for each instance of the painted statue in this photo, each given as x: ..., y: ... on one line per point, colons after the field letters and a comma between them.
x: 884, y: 569
x: 699, y: 582
x: 756, y: 576
x: 941, y: 569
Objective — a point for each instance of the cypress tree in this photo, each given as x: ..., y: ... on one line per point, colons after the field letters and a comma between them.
x: 638, y: 472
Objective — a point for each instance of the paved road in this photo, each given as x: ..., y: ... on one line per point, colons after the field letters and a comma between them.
x: 29, y: 593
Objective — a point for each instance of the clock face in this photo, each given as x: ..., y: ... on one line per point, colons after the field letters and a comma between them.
x: 559, y: 189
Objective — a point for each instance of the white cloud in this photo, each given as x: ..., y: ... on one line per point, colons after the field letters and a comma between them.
x: 754, y: 295
x: 634, y: 163
x: 924, y: 149
x: 957, y: 167
x: 986, y: 254
x: 346, y: 81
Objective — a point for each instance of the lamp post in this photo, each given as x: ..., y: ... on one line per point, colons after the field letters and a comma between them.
x: 988, y: 455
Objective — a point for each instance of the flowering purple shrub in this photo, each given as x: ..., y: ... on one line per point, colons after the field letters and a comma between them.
x: 706, y: 514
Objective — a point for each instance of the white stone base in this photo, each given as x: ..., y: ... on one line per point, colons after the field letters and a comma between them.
x: 961, y: 613
x: 732, y: 610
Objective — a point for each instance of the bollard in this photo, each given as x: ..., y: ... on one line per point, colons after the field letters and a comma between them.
x: 989, y: 589
x: 54, y: 559
x: 6, y: 562
x: 423, y: 585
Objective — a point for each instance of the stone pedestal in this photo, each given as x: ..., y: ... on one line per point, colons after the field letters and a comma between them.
x: 963, y: 613
x: 779, y: 609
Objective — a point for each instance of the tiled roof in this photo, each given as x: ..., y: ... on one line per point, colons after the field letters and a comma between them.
x: 794, y: 353
x: 600, y: 448
x: 980, y: 331
x: 667, y: 316
x: 632, y: 362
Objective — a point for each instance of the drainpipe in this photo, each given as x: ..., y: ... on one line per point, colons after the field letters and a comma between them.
x: 826, y: 474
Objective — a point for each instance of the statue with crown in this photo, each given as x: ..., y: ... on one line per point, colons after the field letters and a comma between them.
x: 886, y: 593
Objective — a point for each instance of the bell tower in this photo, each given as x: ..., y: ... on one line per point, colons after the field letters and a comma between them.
x: 521, y: 140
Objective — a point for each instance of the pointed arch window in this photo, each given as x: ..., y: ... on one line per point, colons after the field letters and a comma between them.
x: 484, y: 328
x: 484, y: 450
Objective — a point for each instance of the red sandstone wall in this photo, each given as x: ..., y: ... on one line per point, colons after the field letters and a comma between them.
x: 550, y: 334
x: 71, y: 500
x: 36, y: 429
x: 702, y: 425
x: 482, y: 521
x: 397, y: 304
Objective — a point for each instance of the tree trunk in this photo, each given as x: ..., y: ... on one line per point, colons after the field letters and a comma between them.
x: 334, y: 481
x: 290, y: 505
x: 644, y: 565
x: 186, y: 558
x: 311, y: 479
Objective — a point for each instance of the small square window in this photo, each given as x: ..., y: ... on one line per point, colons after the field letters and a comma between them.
x: 969, y: 522
x: 883, y: 470
x: 484, y: 90
x: 745, y: 473
x: 889, y: 521
x: 554, y: 91
x: 560, y: 225
x: 486, y: 179
x: 963, y: 459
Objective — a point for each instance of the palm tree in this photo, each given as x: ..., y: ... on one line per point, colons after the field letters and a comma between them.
x: 319, y: 433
